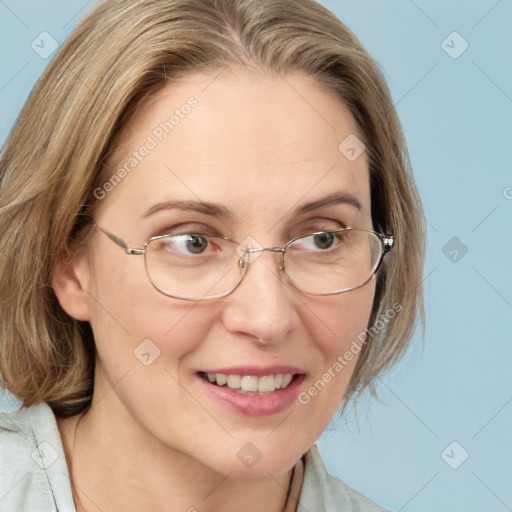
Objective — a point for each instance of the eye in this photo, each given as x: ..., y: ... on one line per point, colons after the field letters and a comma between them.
x: 186, y: 244
x: 196, y: 244
x: 323, y: 240
x: 315, y: 242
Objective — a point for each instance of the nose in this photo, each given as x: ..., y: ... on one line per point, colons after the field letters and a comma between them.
x: 262, y: 306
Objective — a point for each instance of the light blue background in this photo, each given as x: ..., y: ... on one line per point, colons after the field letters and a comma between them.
x: 457, y: 117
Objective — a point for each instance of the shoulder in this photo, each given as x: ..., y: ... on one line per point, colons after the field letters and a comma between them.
x: 320, y: 488
x: 32, y: 462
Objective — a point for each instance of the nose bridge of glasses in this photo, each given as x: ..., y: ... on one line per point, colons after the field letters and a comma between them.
x: 261, y: 249
x: 251, y: 254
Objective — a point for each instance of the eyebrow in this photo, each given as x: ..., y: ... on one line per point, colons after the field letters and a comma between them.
x: 216, y: 210
x: 196, y: 206
x: 331, y: 200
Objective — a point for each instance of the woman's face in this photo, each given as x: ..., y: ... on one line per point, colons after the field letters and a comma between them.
x: 243, y: 161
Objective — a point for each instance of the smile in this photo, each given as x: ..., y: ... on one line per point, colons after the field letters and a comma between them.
x: 250, y: 384
x: 253, y: 390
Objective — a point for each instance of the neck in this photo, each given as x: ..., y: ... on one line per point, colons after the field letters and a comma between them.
x: 115, y: 464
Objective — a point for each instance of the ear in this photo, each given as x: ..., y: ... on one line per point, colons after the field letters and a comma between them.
x: 70, y: 281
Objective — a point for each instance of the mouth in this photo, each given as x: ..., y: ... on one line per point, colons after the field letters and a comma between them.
x: 251, y: 384
x: 253, y: 391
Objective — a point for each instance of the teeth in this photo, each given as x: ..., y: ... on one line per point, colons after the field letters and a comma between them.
x: 221, y: 379
x: 286, y: 380
x: 234, y: 381
x: 250, y: 384
x: 266, y: 384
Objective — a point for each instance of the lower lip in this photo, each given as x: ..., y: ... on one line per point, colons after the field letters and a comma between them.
x: 255, y: 405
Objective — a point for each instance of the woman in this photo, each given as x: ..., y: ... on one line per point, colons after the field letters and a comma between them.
x: 212, y: 241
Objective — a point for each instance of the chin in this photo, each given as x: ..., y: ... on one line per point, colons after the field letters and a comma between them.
x: 251, y: 460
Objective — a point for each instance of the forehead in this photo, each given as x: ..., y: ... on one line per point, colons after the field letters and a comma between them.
x: 260, y: 142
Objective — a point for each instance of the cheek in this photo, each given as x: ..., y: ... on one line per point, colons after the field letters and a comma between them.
x: 142, y: 340
x: 130, y: 318
x: 336, y: 323
x: 340, y: 319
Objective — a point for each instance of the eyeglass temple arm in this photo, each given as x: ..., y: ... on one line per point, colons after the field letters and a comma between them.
x: 121, y: 243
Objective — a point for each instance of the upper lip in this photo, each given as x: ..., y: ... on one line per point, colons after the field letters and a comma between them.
x: 257, y: 371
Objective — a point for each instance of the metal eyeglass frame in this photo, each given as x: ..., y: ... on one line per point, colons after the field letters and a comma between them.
x: 388, y: 242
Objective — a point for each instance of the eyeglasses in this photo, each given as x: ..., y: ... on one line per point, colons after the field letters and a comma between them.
x: 193, y: 266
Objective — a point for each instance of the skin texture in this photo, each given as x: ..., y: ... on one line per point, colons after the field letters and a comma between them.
x: 261, y: 146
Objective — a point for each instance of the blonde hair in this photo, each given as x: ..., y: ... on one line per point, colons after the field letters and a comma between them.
x: 54, y: 158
